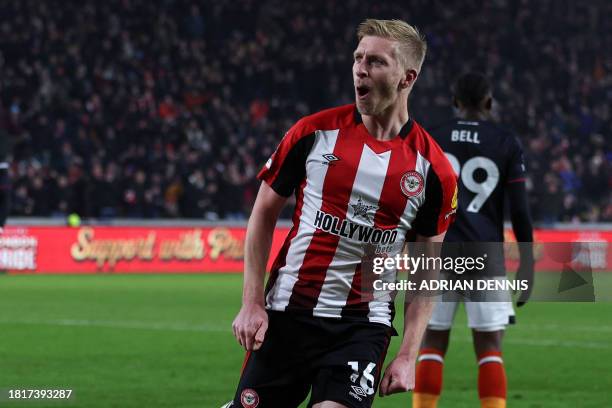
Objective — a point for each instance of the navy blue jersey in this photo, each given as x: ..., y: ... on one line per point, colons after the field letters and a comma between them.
x: 486, y: 158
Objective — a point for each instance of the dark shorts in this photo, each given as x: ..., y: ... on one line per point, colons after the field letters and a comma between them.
x: 338, y: 360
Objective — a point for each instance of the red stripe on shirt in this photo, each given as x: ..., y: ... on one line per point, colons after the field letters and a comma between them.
x: 281, y: 258
x: 336, y: 194
x: 391, y: 205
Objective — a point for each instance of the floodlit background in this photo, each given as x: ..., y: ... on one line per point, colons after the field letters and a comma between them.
x: 145, y: 123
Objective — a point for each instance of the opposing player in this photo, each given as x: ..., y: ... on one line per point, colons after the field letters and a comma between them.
x: 365, y: 176
x: 489, y: 163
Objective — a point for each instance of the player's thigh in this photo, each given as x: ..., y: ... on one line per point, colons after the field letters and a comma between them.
x: 329, y: 404
x: 489, y: 316
x: 443, y: 314
x: 270, y: 386
x: 276, y: 375
x: 349, y: 373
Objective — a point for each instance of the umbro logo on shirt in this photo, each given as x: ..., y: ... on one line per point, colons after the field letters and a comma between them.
x: 329, y: 158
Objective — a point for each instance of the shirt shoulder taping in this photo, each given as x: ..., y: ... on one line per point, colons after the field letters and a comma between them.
x: 285, y: 170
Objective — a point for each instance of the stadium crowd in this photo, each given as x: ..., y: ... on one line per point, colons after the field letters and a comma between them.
x: 169, y: 108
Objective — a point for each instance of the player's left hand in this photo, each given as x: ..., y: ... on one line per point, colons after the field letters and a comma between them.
x: 399, y: 376
x: 525, y: 272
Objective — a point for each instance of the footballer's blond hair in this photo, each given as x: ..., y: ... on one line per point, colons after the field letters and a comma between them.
x: 411, y: 45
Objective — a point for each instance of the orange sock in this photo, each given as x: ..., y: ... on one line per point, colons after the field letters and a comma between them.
x: 491, y: 380
x: 428, y: 384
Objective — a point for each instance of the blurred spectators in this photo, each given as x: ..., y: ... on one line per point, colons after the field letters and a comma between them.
x: 168, y: 108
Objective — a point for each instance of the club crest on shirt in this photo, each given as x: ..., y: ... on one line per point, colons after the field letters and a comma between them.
x: 249, y: 398
x: 412, y: 183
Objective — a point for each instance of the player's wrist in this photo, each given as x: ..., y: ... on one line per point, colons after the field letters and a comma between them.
x: 253, y: 293
x: 407, y: 355
x: 253, y: 302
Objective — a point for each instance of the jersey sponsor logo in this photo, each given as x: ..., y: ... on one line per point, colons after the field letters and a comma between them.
x: 329, y: 158
x: 347, y: 229
x: 249, y: 398
x: 362, y: 210
x: 412, y: 183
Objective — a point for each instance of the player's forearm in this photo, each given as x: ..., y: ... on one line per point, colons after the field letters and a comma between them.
x: 418, y: 307
x: 519, y: 212
x: 257, y: 248
x: 521, y: 219
x: 416, y: 316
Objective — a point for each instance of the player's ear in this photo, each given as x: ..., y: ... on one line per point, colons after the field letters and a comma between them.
x: 410, y: 75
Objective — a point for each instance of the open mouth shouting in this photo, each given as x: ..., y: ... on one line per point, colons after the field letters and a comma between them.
x: 362, y: 91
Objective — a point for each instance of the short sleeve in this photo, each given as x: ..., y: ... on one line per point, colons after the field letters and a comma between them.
x: 286, y: 168
x: 516, y: 164
x: 439, y: 208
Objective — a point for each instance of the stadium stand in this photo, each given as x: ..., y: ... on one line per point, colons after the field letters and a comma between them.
x: 152, y: 109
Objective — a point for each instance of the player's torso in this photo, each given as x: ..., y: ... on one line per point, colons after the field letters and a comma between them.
x: 360, y: 194
x: 358, y: 200
x: 478, y: 154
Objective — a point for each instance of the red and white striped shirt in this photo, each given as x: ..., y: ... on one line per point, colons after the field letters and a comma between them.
x: 356, y: 196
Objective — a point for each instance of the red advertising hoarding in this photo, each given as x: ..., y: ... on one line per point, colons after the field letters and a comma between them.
x: 179, y: 249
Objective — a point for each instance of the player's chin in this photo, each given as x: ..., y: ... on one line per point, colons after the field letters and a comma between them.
x: 364, y: 107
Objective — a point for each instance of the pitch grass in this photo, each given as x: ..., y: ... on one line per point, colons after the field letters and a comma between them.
x: 165, y: 341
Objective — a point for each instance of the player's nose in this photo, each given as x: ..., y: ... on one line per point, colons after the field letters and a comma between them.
x: 360, y: 69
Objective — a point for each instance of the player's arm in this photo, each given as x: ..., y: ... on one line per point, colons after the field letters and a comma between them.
x: 523, y: 231
x: 280, y: 176
x: 520, y: 218
x: 433, y: 218
x: 251, y: 322
x: 400, y: 374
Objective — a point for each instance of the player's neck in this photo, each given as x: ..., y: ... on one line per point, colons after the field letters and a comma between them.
x: 388, y: 124
x: 470, y: 114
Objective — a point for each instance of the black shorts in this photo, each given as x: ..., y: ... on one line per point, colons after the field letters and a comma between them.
x: 339, y: 360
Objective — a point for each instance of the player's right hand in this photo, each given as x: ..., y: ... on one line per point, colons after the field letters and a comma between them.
x: 250, y: 326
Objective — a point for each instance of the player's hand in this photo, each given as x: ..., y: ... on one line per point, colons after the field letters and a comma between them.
x: 525, y: 272
x: 399, y: 376
x: 250, y: 326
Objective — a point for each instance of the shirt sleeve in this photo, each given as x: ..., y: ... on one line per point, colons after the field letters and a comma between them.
x: 439, y: 208
x: 286, y: 168
x: 516, y: 164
